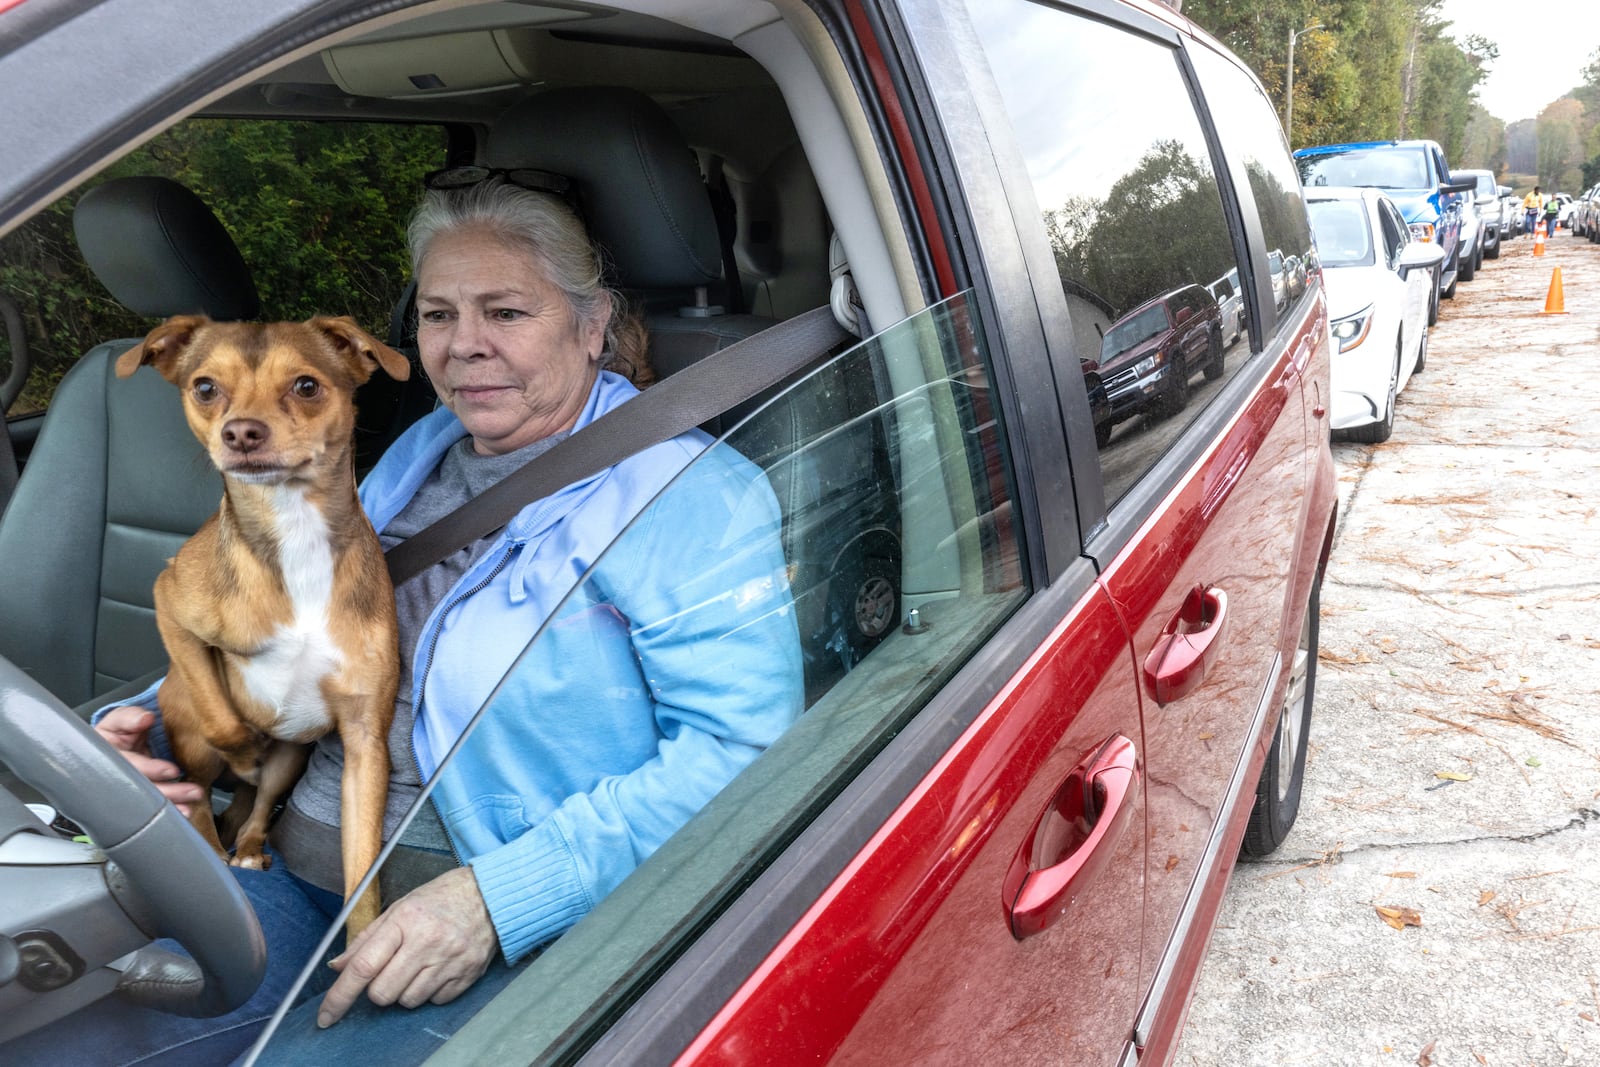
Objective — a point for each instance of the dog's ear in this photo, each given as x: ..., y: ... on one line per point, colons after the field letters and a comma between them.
x: 366, y: 351
x: 161, y: 347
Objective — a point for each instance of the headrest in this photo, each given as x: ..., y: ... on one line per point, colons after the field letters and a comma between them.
x: 160, y: 251
x: 638, y: 180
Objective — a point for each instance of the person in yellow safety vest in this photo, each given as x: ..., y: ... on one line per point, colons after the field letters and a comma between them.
x: 1532, y: 207
x: 1552, y: 211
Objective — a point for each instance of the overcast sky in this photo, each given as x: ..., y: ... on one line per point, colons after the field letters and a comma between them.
x: 1535, y: 67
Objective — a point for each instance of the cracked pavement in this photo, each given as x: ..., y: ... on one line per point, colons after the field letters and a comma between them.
x: 1454, y: 761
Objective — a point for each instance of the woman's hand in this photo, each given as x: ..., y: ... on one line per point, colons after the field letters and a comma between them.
x: 127, y: 729
x: 430, y: 945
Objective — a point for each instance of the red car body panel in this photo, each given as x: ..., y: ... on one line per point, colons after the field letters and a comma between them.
x: 915, y: 933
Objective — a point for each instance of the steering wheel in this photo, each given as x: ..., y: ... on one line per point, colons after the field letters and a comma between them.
x: 176, y: 886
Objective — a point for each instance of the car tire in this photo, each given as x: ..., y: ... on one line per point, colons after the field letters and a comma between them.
x: 1492, y: 251
x: 1464, y: 273
x: 1376, y: 433
x: 1177, y: 395
x: 1450, y: 292
x: 1422, y: 353
x: 1433, y: 302
x: 1214, y: 365
x: 1283, y: 777
x: 866, y: 600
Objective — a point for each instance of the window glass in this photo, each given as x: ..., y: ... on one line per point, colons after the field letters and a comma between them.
x: 1134, y: 215
x: 318, y: 210
x: 1395, y: 233
x: 1385, y: 168
x: 1248, y: 128
x: 763, y: 613
x: 1343, y: 237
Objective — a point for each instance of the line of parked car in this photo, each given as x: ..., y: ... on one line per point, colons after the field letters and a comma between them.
x: 1396, y: 230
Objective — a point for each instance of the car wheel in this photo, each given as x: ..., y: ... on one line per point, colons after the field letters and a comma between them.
x: 866, y: 598
x: 1493, y: 251
x: 1433, y: 302
x: 1469, y: 267
x: 1177, y: 397
x: 1422, y: 354
x: 1214, y: 365
x: 1376, y: 433
x: 1450, y: 292
x: 1283, y: 777
x: 1102, y: 434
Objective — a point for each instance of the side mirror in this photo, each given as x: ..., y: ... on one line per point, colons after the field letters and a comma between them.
x: 1419, y: 255
x: 1453, y: 186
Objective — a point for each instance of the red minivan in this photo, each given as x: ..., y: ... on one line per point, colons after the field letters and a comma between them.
x: 1053, y: 683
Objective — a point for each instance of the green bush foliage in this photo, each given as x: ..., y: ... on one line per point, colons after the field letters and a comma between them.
x: 317, y: 209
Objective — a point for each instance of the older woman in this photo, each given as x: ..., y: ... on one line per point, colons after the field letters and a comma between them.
x: 597, y: 744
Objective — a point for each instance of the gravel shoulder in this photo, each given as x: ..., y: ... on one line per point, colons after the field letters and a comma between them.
x: 1454, y: 767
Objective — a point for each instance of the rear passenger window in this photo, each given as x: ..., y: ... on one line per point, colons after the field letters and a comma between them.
x: 1134, y: 215
x: 1248, y: 128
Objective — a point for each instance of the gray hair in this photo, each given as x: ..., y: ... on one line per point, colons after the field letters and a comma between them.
x: 552, y: 235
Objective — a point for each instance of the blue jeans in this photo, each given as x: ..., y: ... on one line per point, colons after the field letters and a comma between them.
x: 294, y: 916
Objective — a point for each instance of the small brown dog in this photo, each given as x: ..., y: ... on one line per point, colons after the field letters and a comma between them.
x: 278, y: 614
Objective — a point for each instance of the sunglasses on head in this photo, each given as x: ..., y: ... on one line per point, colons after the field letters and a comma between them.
x: 538, y: 181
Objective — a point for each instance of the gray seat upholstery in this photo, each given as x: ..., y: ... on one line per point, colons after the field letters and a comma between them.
x: 646, y: 203
x: 116, y: 482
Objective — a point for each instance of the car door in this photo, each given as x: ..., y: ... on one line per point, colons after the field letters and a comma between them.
x: 1411, y: 292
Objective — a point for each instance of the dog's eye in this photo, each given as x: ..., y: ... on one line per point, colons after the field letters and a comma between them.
x: 306, y: 387
x: 205, y: 390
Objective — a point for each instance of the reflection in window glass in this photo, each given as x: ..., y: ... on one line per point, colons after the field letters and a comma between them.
x: 1248, y: 129
x: 1134, y: 215
x: 775, y: 575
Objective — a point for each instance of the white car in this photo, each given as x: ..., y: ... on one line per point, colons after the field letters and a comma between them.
x: 1380, y: 282
x: 1231, y: 303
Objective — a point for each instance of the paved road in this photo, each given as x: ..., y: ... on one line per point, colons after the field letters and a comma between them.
x: 1455, y: 754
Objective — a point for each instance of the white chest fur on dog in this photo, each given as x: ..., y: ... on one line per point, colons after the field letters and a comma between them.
x: 286, y: 673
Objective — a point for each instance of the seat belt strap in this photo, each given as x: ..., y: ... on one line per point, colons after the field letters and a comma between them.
x: 674, y: 405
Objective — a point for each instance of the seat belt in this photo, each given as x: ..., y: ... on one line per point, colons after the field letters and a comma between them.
x: 674, y: 405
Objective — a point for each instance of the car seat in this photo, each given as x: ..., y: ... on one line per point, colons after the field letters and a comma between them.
x: 116, y: 481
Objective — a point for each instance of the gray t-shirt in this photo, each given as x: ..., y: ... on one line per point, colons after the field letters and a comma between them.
x: 307, y: 835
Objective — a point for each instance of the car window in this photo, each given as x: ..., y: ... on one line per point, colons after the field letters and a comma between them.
x: 801, y: 514
x: 1393, y: 227
x: 317, y: 209
x: 1343, y: 237
x: 1134, y: 215
x: 1385, y: 168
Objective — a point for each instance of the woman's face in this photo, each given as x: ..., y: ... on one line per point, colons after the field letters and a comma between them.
x: 500, y: 342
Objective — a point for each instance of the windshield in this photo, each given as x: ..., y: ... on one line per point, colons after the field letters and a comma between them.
x: 1486, y: 186
x: 1343, y: 237
x: 1385, y: 168
x: 1133, y: 330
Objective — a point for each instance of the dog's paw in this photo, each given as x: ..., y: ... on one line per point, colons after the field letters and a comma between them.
x: 255, y: 861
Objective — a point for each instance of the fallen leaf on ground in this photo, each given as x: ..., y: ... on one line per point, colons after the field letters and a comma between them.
x: 1453, y: 776
x: 1535, y: 761
x: 1425, y: 1057
x: 1401, y: 874
x: 1485, y: 896
x: 1399, y: 918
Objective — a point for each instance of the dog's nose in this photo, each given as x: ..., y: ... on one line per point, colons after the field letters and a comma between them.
x: 245, y: 435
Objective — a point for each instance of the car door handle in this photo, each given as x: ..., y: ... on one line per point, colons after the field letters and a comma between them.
x: 1074, y: 839
x: 1188, y: 645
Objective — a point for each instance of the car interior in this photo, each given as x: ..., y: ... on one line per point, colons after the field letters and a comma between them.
x: 733, y: 182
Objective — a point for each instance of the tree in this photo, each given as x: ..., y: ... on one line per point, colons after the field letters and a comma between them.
x: 1561, y: 145
x: 1522, y: 146
x: 1484, y: 145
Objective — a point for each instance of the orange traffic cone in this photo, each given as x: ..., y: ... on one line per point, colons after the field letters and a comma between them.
x: 1538, y: 238
x: 1553, y: 303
